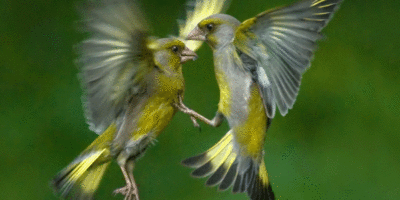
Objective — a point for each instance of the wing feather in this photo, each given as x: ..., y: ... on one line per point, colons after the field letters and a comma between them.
x: 113, y: 59
x: 196, y: 11
x: 283, y: 41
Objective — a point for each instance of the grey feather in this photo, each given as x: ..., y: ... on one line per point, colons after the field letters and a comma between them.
x: 203, y: 170
x: 217, y: 176
x: 236, y: 185
x: 229, y: 177
x: 284, y: 46
x: 111, y: 59
x: 195, y: 161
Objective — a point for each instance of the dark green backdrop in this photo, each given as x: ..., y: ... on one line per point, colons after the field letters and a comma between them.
x: 340, y: 141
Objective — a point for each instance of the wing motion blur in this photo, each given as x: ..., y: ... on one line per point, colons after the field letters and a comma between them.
x: 113, y: 59
x: 195, y: 12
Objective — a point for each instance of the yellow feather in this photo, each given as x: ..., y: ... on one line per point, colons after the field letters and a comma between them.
x: 229, y: 160
x: 84, y: 174
x: 219, y: 158
x: 154, y: 118
x: 316, y: 2
x: 251, y: 134
x: 243, y: 35
x: 84, y: 165
x: 221, y: 155
x: 221, y: 144
x: 92, y: 180
x: 203, y: 9
x: 103, y: 140
x: 263, y: 173
x: 224, y: 90
x: 327, y: 5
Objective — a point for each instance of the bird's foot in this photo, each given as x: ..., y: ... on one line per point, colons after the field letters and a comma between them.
x: 129, y: 192
x: 190, y: 112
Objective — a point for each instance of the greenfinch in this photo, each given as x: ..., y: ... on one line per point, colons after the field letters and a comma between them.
x: 132, y: 84
x: 258, y: 64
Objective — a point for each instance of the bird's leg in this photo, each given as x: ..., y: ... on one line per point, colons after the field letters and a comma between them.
x: 215, y: 122
x: 130, y: 166
x: 130, y: 190
x: 126, y: 189
x: 181, y: 107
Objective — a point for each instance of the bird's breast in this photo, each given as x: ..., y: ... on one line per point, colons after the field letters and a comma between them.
x: 155, y: 116
x: 250, y: 135
x: 224, y: 92
x: 234, y: 84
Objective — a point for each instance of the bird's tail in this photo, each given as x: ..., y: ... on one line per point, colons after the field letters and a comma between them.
x: 228, y: 168
x: 81, y: 178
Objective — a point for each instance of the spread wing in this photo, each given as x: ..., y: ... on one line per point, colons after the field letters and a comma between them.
x: 196, y: 11
x: 113, y: 59
x: 283, y: 41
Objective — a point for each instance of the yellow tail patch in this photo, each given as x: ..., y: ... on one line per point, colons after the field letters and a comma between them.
x: 226, y: 168
x: 81, y: 178
x: 92, y: 180
x: 220, y: 161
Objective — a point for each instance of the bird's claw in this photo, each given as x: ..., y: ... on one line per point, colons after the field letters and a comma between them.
x: 195, y: 123
x: 129, y: 192
x: 188, y: 111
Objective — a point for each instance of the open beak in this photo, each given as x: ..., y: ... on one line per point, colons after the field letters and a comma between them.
x: 196, y: 34
x: 187, y: 55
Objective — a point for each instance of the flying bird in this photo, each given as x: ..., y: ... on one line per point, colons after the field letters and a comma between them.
x: 258, y: 66
x: 132, y: 82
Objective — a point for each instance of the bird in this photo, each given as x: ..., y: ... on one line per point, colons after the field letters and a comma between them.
x: 133, y: 83
x: 258, y: 65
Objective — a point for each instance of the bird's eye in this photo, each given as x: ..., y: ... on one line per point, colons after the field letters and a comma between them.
x: 210, y: 26
x: 175, y: 49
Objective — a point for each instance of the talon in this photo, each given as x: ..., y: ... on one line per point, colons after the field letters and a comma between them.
x: 129, y: 192
x: 195, y: 123
x: 124, y: 190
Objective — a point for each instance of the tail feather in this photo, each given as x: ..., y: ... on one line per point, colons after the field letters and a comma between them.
x: 243, y: 183
x: 199, y: 160
x: 208, y: 162
x: 228, y: 165
x: 229, y: 177
x: 212, y: 165
x: 81, y: 178
x: 227, y: 169
x: 223, y: 166
x: 260, y: 188
x: 237, y: 184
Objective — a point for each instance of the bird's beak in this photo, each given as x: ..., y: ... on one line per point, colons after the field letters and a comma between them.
x: 196, y: 34
x: 187, y: 55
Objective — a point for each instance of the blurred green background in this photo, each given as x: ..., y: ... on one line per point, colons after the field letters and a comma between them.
x: 340, y: 141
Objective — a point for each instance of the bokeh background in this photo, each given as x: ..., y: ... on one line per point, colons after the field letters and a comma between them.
x: 340, y: 141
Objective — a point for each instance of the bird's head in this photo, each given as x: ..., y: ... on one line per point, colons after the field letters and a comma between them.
x: 170, y: 54
x: 217, y: 30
